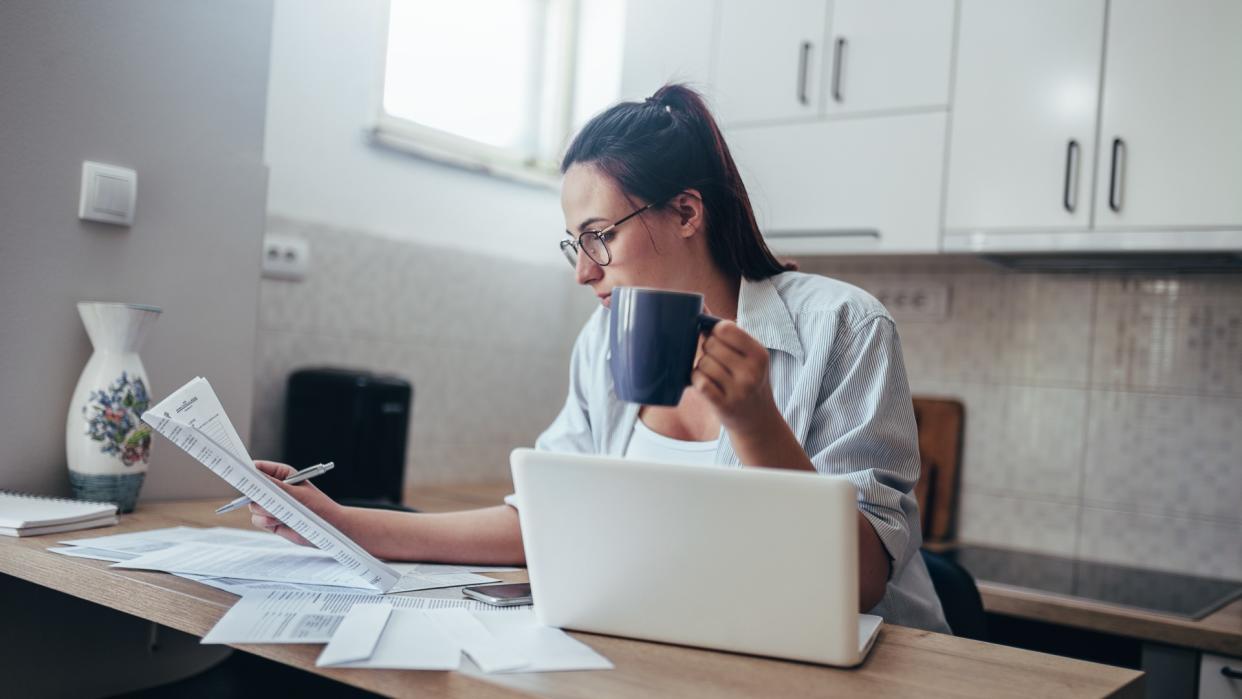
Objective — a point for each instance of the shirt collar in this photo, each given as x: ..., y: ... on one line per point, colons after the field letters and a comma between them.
x: 762, y: 312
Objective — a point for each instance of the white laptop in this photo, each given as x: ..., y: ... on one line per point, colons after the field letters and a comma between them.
x: 747, y: 560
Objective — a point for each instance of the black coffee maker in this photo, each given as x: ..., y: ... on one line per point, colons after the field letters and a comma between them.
x: 359, y: 421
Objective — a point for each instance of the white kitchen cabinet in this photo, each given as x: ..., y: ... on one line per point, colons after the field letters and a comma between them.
x: 1220, y: 677
x: 803, y: 59
x: 769, y: 60
x: 667, y: 42
x: 1170, y: 152
x: 846, y: 185
x: 888, y: 55
x: 1022, y: 135
x: 1074, y: 128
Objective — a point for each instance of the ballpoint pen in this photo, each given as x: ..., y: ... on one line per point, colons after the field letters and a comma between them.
x: 303, y: 475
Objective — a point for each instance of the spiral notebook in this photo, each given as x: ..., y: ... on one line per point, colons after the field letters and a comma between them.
x: 31, y: 515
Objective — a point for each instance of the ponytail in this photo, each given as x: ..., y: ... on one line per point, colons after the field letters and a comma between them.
x: 666, y: 144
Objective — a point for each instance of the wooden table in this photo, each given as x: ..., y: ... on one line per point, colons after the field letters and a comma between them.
x: 903, y: 662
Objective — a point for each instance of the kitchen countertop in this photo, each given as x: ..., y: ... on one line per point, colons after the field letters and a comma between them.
x: 1218, y: 632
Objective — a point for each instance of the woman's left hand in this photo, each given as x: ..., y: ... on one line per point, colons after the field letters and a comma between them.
x: 732, y: 374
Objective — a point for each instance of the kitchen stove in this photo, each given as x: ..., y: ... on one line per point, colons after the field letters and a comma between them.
x: 1149, y: 590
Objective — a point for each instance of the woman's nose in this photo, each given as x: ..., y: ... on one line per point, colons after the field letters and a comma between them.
x: 586, y: 271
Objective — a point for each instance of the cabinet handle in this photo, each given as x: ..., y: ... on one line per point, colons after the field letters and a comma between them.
x: 1231, y: 673
x: 1070, y: 197
x: 804, y: 56
x: 1115, y: 175
x: 838, y: 54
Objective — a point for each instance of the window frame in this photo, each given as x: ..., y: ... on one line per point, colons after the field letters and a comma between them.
x: 556, y: 88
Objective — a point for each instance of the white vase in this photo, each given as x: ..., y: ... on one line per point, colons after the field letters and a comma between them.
x: 107, y: 444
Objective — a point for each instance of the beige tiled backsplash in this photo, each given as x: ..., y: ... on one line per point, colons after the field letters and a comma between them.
x: 1102, y: 409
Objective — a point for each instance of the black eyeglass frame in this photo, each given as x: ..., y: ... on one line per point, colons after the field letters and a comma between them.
x: 577, y: 246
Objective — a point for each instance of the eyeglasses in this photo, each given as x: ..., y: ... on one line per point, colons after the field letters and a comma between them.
x: 593, y: 242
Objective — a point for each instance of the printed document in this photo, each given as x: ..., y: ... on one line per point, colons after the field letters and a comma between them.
x: 309, y: 617
x: 300, y: 565
x: 127, y: 547
x: 193, y: 419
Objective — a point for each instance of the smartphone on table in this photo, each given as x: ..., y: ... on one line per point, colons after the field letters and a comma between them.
x: 503, y: 595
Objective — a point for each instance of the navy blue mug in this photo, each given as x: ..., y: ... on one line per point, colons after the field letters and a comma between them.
x: 652, y: 339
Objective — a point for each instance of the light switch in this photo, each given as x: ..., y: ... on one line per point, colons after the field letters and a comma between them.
x: 108, y: 194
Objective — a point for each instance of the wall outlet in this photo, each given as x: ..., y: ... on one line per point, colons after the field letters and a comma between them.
x: 285, y: 257
x: 914, y: 300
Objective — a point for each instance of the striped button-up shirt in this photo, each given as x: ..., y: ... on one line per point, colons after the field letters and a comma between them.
x: 839, y: 381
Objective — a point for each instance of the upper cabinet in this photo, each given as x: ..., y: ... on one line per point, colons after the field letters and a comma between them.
x: 967, y: 125
x: 836, y: 113
x: 769, y: 60
x: 1084, y: 125
x: 804, y: 59
x: 1171, y: 116
x: 1024, y: 110
x: 888, y: 55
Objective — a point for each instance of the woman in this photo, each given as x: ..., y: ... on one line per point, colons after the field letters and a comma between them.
x: 804, y: 373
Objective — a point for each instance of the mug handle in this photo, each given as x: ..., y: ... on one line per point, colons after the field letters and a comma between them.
x: 706, y: 323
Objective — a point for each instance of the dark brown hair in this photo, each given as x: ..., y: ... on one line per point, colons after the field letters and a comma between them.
x: 666, y: 144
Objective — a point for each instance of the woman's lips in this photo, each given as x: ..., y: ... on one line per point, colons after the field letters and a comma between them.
x: 605, y: 299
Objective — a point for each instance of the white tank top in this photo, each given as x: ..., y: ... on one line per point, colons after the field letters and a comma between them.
x: 648, y: 445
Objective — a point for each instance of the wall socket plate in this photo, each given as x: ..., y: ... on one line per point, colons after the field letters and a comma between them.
x: 915, y: 300
x: 285, y: 257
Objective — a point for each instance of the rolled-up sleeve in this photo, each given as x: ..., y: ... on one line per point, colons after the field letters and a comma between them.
x: 864, y: 430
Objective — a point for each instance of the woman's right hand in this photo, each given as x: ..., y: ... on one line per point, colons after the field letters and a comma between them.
x: 305, y: 492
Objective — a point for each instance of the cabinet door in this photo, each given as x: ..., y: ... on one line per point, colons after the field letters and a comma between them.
x: 666, y: 42
x: 888, y: 55
x: 846, y: 185
x: 1215, y: 684
x: 769, y: 59
x: 1024, y: 114
x: 1171, y: 116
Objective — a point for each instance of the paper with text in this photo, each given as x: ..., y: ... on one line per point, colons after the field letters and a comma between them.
x: 138, y: 543
x: 126, y: 547
x: 297, y: 565
x: 193, y: 419
x: 309, y: 617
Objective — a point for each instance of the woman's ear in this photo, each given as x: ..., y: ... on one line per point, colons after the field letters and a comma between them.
x: 688, y: 208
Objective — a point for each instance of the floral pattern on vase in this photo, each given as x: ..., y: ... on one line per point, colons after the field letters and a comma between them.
x: 114, y: 417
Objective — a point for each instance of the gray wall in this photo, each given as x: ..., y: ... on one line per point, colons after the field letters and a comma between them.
x: 177, y: 91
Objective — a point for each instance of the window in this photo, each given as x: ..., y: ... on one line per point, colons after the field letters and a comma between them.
x: 498, y: 85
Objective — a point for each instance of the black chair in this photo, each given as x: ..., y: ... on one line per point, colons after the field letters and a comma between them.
x: 963, y: 607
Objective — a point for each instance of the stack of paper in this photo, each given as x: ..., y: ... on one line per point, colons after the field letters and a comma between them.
x: 405, y: 632
x: 379, y: 636
x: 239, y: 560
